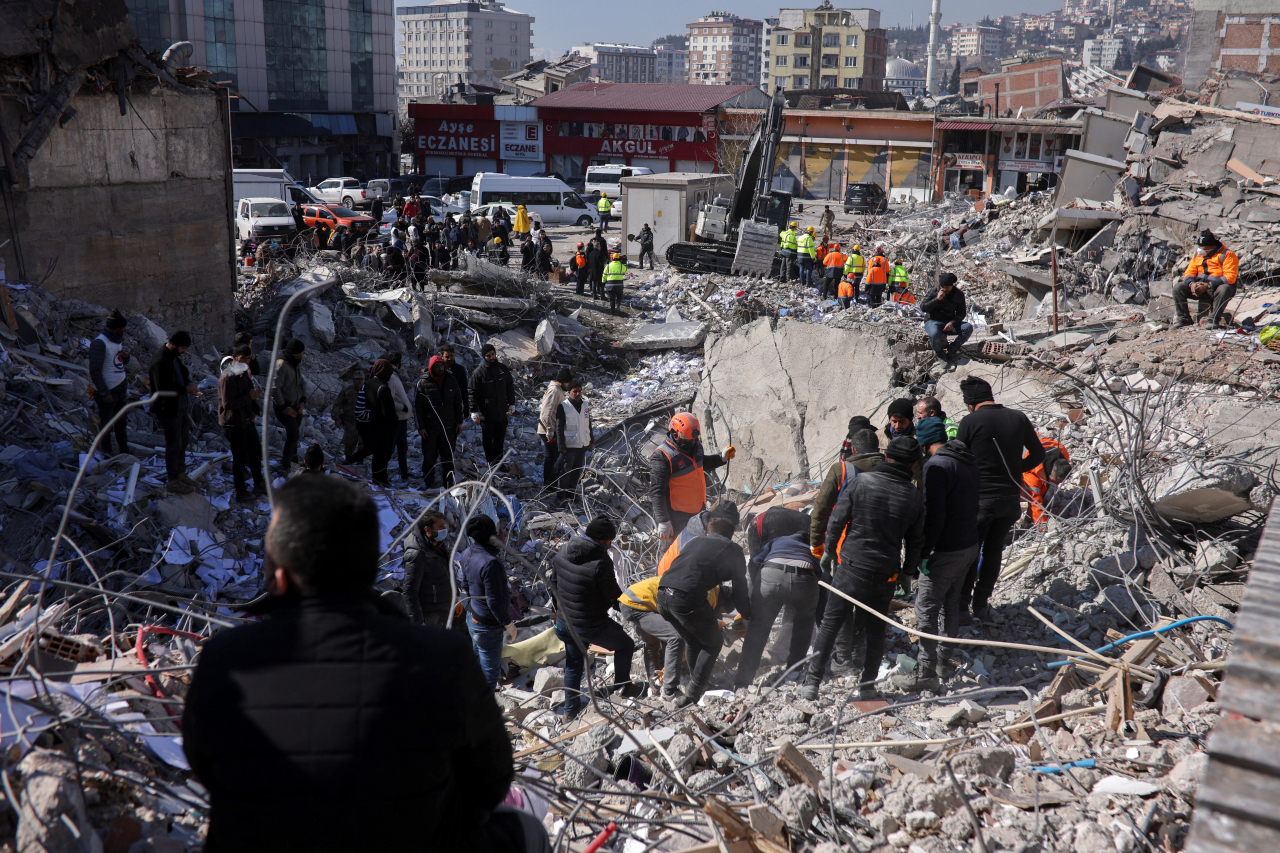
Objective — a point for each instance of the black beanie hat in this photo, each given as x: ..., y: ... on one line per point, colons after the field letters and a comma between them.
x: 116, y: 320
x: 564, y: 375
x: 901, y: 407
x: 488, y: 348
x: 865, y: 441
x: 601, y: 529
x: 180, y: 338
x: 295, y: 347
x: 1208, y: 240
x: 727, y: 510
x: 314, y: 457
x: 974, y: 391
x: 947, y: 278
x: 903, y: 449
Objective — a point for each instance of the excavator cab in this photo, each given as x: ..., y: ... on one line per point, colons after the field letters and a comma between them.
x: 777, y: 209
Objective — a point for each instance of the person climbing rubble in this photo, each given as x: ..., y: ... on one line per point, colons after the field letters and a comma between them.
x: 237, y: 409
x: 440, y: 415
x: 552, y: 397
x: 346, y: 410
x: 586, y: 589
x: 931, y: 407
x: 107, y: 357
x: 573, y: 438
x: 677, y: 478
x: 951, y: 481
x: 493, y: 402
x: 784, y: 578
x: 1005, y: 444
x: 1039, y: 481
x: 1210, y: 279
x: 169, y: 373
x: 945, y: 308
x: 704, y: 563
x: 877, y: 526
x: 439, y: 750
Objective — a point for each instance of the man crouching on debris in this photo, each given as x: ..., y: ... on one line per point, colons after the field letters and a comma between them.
x: 334, y: 724
x: 879, y: 514
x: 1210, y: 279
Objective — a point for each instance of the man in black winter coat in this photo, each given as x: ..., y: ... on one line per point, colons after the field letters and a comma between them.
x: 586, y: 589
x: 440, y: 415
x: 997, y: 437
x: 946, y: 310
x: 427, y: 592
x: 168, y: 373
x: 450, y: 356
x: 237, y: 408
x: 383, y: 420
x: 704, y: 563
x: 879, y: 514
x: 597, y: 259
x: 493, y: 402
x: 334, y: 725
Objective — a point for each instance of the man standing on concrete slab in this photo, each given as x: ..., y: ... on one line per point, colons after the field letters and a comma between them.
x: 237, y: 408
x: 288, y: 399
x: 951, y: 485
x: 346, y: 411
x: 879, y: 517
x: 677, y: 478
x: 573, y: 438
x: 706, y: 562
x: 998, y: 438
x: 107, y: 357
x: 786, y: 576
x: 440, y: 416
x: 1210, y: 279
x: 551, y: 400
x: 586, y: 590
x: 403, y: 410
x: 946, y: 310
x: 168, y: 373
x: 493, y: 402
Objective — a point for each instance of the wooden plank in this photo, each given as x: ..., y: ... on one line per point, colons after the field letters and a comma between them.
x: 909, y: 765
x: 797, y: 768
x: 733, y: 825
x: 1244, y: 171
x: 11, y: 605
x: 766, y: 821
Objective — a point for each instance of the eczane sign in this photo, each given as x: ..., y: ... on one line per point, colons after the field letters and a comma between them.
x: 460, y: 138
x: 521, y: 140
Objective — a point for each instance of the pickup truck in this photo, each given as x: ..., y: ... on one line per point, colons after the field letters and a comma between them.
x: 347, y: 192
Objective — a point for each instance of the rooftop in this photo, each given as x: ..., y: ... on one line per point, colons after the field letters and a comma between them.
x: 673, y: 97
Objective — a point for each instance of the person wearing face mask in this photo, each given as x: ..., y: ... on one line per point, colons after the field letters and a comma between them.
x: 427, y: 593
x: 493, y: 402
x: 677, y: 482
x: 1210, y: 279
x: 482, y: 585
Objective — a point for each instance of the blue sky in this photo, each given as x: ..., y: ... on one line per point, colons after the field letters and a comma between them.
x: 560, y: 25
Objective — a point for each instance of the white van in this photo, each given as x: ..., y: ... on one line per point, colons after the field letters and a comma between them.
x: 264, y: 218
x: 604, y: 179
x: 551, y: 198
x: 269, y: 183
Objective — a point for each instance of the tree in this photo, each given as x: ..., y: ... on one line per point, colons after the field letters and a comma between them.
x: 954, y: 86
x: 674, y: 39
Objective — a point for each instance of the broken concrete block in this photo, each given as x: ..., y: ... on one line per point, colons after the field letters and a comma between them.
x: 548, y: 678
x: 515, y: 347
x: 320, y: 319
x: 1185, y: 777
x: 798, y: 805
x: 1181, y: 694
x: 52, y: 816
x: 920, y: 821
x: 949, y: 716
x: 568, y: 325
x: 1203, y: 491
x: 1214, y: 557
x: 147, y: 333
x: 665, y: 336
x: 683, y: 751
x: 973, y: 712
x: 545, y: 337
x: 1091, y: 838
x: 1120, y: 600
x: 424, y: 332
x: 987, y: 761
x: 1114, y: 569
x: 367, y: 327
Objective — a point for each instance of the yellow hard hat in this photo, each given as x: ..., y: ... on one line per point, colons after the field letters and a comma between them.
x: 617, y: 256
x: 809, y: 229
x: 857, y: 248
x: 794, y: 224
x: 497, y: 240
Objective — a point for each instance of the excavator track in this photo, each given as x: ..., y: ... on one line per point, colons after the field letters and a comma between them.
x: 703, y: 258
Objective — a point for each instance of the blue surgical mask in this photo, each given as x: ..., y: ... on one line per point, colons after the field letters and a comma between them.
x: 442, y: 534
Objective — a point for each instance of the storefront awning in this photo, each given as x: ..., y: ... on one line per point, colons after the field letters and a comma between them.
x: 963, y: 125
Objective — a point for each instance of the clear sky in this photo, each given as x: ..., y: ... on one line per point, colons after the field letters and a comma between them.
x: 560, y: 25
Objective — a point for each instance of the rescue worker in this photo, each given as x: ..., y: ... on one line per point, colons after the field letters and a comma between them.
x: 581, y: 269
x: 492, y: 396
x: 834, y: 265
x: 1210, y: 279
x: 677, y: 482
x: 107, y: 357
x: 551, y: 400
x: 930, y: 407
x: 1052, y: 471
x: 344, y: 412
x: 854, y: 266
x: 846, y: 292
x: 899, y: 284
x: 614, y: 275
x: 806, y: 255
x: 645, y: 239
x: 877, y: 277
x: 945, y: 309
x: 496, y: 251
x: 573, y: 437
x: 604, y: 207
x: 788, y: 243
x: 697, y: 527
x: 784, y: 576
x: 663, y: 647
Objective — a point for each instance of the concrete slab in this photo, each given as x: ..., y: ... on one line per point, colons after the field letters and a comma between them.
x: 1064, y: 339
x: 490, y: 303
x: 665, y: 336
x: 514, y: 347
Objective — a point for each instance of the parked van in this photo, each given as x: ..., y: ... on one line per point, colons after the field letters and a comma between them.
x: 264, y: 218
x: 269, y: 183
x: 552, y: 199
x: 604, y: 179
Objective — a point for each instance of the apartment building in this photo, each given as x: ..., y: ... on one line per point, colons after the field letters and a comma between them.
x: 766, y: 40
x: 978, y: 41
x: 620, y: 63
x: 671, y: 64
x: 478, y: 42
x: 828, y: 48
x: 1109, y: 52
x: 726, y: 49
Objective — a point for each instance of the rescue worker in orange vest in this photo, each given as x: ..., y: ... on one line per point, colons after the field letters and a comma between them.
x: 581, y: 269
x: 1036, y: 482
x: 846, y: 292
x: 1210, y: 279
x: 677, y: 482
x: 834, y: 264
x: 877, y: 277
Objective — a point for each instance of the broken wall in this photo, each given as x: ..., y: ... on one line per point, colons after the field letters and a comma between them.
x: 133, y: 211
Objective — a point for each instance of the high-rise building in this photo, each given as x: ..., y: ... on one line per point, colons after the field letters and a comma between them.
x: 1109, y: 52
x: 478, y: 42
x: 766, y: 40
x: 620, y: 63
x: 724, y: 48
x: 828, y: 48
x: 671, y: 64
x: 316, y: 83
x: 978, y: 41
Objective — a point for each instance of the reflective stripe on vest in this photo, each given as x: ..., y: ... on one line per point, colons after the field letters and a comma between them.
x: 804, y: 245
x: 854, y: 264
x: 834, y: 259
x: 788, y: 240
x: 616, y: 271
x: 604, y: 205
x: 878, y: 270
x: 687, y: 490
x: 898, y: 275
x: 576, y: 431
x: 846, y: 289
x: 642, y: 595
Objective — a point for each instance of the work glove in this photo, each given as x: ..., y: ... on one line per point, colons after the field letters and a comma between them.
x: 924, y: 567
x: 729, y: 452
x: 475, y: 416
x: 665, y: 530
x: 828, y: 560
x: 818, y: 550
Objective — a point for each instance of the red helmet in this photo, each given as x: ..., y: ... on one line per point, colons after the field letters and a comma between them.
x: 685, y: 426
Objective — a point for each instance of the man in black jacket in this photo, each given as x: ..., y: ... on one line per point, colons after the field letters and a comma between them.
x: 879, y: 514
x: 426, y: 588
x: 997, y: 437
x: 597, y: 258
x: 168, y: 373
x: 382, y: 419
x: 333, y: 726
x: 450, y: 356
x: 586, y: 589
x: 946, y: 310
x: 493, y: 402
x: 951, y: 481
x: 705, y: 562
x: 440, y: 415
x: 237, y: 407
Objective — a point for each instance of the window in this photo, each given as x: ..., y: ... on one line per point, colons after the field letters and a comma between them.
x: 513, y: 39
x: 851, y: 62
x: 779, y: 82
x: 513, y: 26
x: 800, y: 82
x: 488, y: 24
x: 782, y: 39
x: 513, y: 51
x: 781, y: 61
x: 801, y: 60
x: 830, y: 60
x: 488, y: 36
x: 852, y: 82
x: 851, y: 41
x: 488, y: 51
x: 831, y: 40
x: 829, y: 81
x: 804, y: 40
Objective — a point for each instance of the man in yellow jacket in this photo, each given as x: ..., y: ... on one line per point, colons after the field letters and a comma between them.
x: 604, y: 207
x: 663, y: 647
x: 614, y: 275
x: 806, y: 255
x: 1210, y: 279
x: 854, y: 266
x: 788, y: 245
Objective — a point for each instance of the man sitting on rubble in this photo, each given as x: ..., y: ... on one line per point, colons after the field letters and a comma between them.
x: 946, y: 310
x: 931, y: 407
x: 586, y: 590
x: 704, y: 563
x: 1210, y: 279
x: 677, y: 482
x: 784, y: 576
x: 875, y: 519
x: 334, y: 724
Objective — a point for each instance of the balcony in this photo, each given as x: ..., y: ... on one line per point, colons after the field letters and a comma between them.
x: 830, y: 60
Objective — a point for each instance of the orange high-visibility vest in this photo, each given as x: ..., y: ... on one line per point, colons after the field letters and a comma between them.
x: 687, y: 489
x: 846, y: 288
x: 673, y: 550
x: 1222, y: 262
x: 878, y: 270
x: 835, y: 258
x: 1036, y: 481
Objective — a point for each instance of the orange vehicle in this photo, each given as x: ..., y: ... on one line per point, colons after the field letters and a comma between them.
x: 334, y: 215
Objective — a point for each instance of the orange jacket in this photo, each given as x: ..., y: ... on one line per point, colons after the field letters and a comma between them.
x: 688, y: 484
x: 877, y: 270
x: 846, y: 289
x: 579, y: 260
x: 820, y: 251
x: 1222, y: 262
x: 835, y: 258
x: 1036, y: 482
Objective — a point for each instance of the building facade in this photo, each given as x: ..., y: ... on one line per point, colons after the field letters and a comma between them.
x: 766, y: 39
x: 438, y: 45
x: 620, y: 63
x: 671, y: 64
x: 828, y: 48
x: 315, y: 84
x: 1223, y: 34
x: 1025, y: 87
x: 980, y: 156
x: 725, y: 49
x: 978, y: 41
x: 1111, y: 53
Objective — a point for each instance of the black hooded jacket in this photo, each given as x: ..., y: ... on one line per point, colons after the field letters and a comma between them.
x: 946, y: 309
x: 997, y: 438
x: 951, y: 482
x: 586, y: 587
x: 882, y: 511
x: 426, y: 574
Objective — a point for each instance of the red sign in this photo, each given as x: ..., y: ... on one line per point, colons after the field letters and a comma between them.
x: 456, y: 138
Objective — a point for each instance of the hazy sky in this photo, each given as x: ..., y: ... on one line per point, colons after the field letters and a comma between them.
x: 560, y: 25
